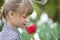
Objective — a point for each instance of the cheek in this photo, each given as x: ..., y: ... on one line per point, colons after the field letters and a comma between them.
x: 20, y: 21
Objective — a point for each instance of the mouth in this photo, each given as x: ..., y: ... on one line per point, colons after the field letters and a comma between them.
x: 24, y: 24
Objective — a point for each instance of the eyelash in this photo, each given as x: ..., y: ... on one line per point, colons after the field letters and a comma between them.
x: 24, y: 17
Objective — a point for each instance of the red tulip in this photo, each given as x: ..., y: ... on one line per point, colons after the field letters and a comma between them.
x: 31, y: 29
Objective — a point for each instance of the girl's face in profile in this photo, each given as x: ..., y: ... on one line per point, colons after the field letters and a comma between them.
x: 18, y: 20
x: 21, y: 21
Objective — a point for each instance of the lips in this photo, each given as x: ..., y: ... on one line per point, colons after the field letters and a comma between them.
x: 31, y: 29
x: 24, y: 24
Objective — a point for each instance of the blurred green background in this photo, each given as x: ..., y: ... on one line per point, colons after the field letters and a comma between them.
x: 48, y: 30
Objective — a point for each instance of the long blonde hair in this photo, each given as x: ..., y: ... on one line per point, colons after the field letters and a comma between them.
x: 16, y: 5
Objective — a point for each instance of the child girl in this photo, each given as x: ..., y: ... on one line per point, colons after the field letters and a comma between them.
x: 15, y: 13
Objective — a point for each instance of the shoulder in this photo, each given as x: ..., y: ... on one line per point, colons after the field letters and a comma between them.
x: 12, y: 34
x: 8, y: 35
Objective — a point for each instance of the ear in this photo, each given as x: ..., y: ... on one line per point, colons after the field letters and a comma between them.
x: 11, y: 14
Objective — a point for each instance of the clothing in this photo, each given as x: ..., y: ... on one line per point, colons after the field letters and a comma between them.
x: 9, y: 33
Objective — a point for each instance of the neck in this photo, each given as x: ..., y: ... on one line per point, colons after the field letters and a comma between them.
x: 9, y: 22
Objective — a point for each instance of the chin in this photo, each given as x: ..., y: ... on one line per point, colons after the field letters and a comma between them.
x: 20, y: 26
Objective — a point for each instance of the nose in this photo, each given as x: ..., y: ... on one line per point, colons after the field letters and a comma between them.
x: 27, y: 21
